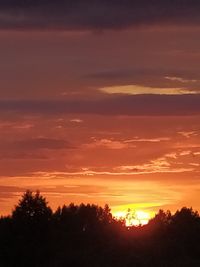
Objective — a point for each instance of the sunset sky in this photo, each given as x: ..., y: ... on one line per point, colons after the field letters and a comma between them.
x: 100, y: 102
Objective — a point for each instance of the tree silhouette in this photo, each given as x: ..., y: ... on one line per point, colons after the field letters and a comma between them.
x: 32, y: 208
x: 161, y: 219
x: 186, y: 224
x: 88, y: 235
x: 186, y: 216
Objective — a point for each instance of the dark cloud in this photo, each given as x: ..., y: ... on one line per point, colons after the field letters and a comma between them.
x: 139, y: 73
x: 32, y: 144
x: 43, y: 143
x: 22, y: 155
x: 137, y: 105
x: 96, y: 14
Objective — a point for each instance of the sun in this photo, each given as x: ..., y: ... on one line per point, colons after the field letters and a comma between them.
x: 133, y: 218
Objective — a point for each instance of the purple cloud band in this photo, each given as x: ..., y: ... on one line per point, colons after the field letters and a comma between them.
x: 137, y: 105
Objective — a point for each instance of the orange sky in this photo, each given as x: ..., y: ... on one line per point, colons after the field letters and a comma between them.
x: 127, y: 162
x: 101, y: 117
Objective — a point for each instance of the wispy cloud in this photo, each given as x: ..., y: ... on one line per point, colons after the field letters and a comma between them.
x: 151, y: 140
x: 108, y: 143
x: 16, y: 125
x: 188, y: 134
x: 160, y: 165
x: 76, y: 120
x: 123, y: 143
x: 180, y: 79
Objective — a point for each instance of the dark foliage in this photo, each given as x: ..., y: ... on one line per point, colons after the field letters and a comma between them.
x: 88, y: 235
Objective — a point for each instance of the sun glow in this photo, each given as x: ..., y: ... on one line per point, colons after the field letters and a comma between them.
x: 133, y: 218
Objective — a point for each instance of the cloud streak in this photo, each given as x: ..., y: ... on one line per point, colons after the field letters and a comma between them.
x: 137, y: 105
x: 124, y: 171
x: 96, y: 15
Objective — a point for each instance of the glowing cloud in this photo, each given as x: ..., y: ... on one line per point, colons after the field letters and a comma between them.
x: 140, y: 90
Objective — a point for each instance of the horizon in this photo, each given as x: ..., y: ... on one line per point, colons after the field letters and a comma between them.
x: 128, y: 218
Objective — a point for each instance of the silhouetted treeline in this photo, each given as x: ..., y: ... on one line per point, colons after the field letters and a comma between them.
x: 88, y: 235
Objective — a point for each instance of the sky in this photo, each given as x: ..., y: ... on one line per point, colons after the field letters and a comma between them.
x: 100, y: 102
